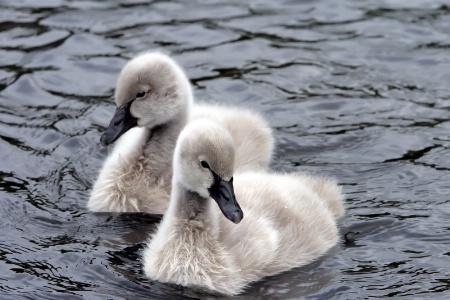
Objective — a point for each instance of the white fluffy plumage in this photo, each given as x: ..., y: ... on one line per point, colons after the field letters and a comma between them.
x: 289, y: 219
x: 136, y: 177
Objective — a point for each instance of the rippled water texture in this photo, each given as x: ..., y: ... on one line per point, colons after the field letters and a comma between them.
x: 359, y: 90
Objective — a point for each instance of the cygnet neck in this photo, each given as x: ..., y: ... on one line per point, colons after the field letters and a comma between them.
x: 191, y: 207
x: 163, y: 138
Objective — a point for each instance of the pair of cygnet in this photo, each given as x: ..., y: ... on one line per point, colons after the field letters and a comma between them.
x: 228, y: 221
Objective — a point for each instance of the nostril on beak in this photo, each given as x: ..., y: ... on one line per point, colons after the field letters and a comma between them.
x: 224, y: 193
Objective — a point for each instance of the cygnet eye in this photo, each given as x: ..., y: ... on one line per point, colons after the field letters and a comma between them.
x: 204, y: 164
x: 140, y: 94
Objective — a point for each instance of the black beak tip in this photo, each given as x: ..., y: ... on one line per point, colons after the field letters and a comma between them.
x: 237, y: 216
x: 103, y: 141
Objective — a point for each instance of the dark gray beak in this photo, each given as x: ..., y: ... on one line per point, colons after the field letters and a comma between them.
x: 223, y: 193
x: 120, y: 123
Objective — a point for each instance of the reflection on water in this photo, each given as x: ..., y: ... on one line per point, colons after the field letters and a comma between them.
x: 354, y: 89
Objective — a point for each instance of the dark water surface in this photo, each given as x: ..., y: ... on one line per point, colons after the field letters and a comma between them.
x: 359, y: 90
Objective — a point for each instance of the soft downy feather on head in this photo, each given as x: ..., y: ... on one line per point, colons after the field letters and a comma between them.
x: 151, y: 90
x: 162, y: 84
x: 204, y: 147
x: 204, y: 164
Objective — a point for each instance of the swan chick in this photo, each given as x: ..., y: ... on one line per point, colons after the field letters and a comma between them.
x: 154, y: 102
x: 153, y: 98
x: 278, y: 221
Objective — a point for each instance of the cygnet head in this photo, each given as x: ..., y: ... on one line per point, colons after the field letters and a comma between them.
x: 151, y: 90
x: 204, y: 163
